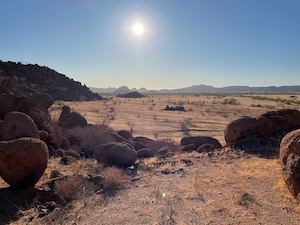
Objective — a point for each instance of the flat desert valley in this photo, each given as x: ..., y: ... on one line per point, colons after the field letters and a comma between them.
x: 205, y: 115
x: 228, y: 186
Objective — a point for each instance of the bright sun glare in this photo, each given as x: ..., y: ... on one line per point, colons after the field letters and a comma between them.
x: 138, y: 29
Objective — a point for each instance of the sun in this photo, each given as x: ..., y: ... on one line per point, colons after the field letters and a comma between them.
x: 138, y: 29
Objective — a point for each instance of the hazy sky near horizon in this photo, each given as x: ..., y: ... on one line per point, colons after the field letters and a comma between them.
x: 185, y: 43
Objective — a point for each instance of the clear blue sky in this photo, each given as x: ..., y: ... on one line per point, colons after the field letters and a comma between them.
x: 186, y: 42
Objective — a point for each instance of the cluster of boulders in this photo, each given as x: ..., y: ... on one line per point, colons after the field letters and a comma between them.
x: 176, y: 108
x: 28, y: 135
x: 71, y: 119
x: 275, y: 127
x: 23, y: 156
x: 128, y: 149
x: 200, y: 144
x: 275, y: 124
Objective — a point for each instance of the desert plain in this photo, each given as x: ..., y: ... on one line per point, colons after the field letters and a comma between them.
x: 228, y: 186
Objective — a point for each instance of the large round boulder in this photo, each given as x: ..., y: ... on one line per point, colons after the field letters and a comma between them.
x: 35, y: 106
x: 137, y: 145
x: 290, y: 159
x: 145, y: 153
x: 71, y: 119
x: 23, y: 161
x: 279, y: 122
x: 200, y: 140
x: 125, y: 134
x: 16, y: 125
x: 241, y: 129
x: 188, y: 148
x: 43, y: 100
x: 116, y: 154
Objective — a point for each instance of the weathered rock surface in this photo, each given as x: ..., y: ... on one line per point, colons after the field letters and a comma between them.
x: 242, y: 128
x: 116, y: 154
x: 43, y: 135
x: 16, y: 125
x: 188, y: 148
x: 274, y: 124
x: 200, y: 140
x: 137, y: 145
x: 34, y: 106
x: 290, y: 159
x: 206, y: 148
x: 280, y: 121
x: 125, y: 134
x: 71, y: 119
x: 23, y: 161
x: 145, y: 153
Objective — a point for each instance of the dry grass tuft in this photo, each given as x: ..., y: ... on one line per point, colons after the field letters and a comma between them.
x: 75, y: 187
x: 114, y: 179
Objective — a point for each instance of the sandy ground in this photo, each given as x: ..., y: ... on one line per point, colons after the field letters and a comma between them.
x: 205, y: 114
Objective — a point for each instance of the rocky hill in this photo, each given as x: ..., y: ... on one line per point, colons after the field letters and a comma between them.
x: 25, y: 80
x: 133, y: 94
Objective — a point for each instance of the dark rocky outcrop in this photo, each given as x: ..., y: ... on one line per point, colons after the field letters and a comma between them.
x: 26, y: 80
x: 176, y: 108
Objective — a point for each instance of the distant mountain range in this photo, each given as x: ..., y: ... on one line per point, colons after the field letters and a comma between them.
x: 201, y: 89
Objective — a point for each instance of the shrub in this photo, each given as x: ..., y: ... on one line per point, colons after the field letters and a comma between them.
x: 231, y: 101
x: 114, y: 179
x: 185, y: 126
x: 60, y: 102
x: 71, y: 188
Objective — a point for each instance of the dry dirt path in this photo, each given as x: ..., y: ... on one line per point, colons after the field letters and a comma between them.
x: 192, y: 188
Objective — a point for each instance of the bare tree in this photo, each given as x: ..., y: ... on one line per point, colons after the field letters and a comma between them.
x: 131, y: 125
